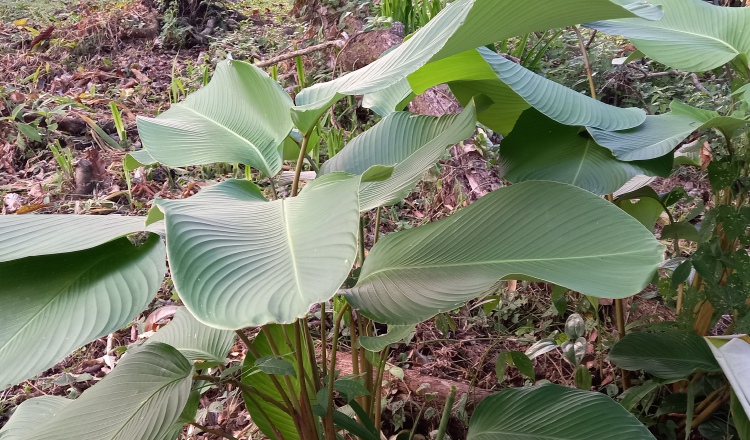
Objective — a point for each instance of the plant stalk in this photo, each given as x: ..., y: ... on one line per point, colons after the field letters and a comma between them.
x: 446, y: 414
x: 585, y: 53
x: 300, y: 163
x: 274, y: 379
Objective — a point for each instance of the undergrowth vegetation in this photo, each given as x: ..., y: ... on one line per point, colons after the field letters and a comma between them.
x: 299, y: 243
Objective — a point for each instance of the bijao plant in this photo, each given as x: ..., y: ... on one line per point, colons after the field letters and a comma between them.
x: 239, y: 260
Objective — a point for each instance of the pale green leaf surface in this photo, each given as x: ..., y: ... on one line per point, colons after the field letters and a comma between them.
x: 54, y: 304
x: 567, y: 236
x: 553, y: 412
x: 514, y: 88
x: 28, y: 235
x: 141, y: 399
x: 693, y: 35
x: 657, y: 136
x: 667, y: 355
x: 136, y: 159
x: 709, y: 118
x: 734, y: 358
x: 466, y: 25
x: 390, y: 99
x: 539, y: 148
x: 239, y: 261
x: 241, y: 116
x: 396, y: 333
x: 195, y: 340
x: 412, y: 143
x: 646, y: 210
x: 30, y: 414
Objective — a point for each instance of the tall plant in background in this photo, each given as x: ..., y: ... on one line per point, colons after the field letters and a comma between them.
x: 414, y: 14
x: 238, y: 259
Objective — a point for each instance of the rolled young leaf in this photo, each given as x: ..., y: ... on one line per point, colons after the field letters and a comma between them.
x: 53, y: 304
x: 542, y: 230
x: 553, y: 412
x: 238, y: 260
x: 241, y: 116
x: 141, y: 399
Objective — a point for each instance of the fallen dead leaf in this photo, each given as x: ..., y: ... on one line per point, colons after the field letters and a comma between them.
x: 12, y: 202
x: 157, y: 317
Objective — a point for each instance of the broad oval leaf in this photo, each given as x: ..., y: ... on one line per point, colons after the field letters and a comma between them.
x: 693, y: 35
x: 462, y: 26
x: 54, y: 304
x: 238, y: 260
x: 543, y: 230
x: 553, y: 412
x: 195, y: 340
x: 657, y: 136
x: 539, y: 148
x: 141, y: 399
x: 514, y: 88
x: 29, y: 414
x: 667, y: 355
x: 242, y: 116
x: 412, y: 143
x: 28, y: 235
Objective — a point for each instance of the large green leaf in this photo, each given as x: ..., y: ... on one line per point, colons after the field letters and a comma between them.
x: 410, y: 142
x: 30, y: 413
x: 667, y: 355
x: 28, y: 235
x: 539, y: 148
x: 733, y: 355
x: 238, y: 260
x: 242, y: 116
x: 693, y: 35
x: 514, y: 89
x: 553, y: 412
x: 141, y: 399
x: 657, y: 136
x: 709, y: 118
x: 53, y: 304
x: 660, y: 134
x: 543, y: 230
x: 196, y: 341
x: 466, y: 25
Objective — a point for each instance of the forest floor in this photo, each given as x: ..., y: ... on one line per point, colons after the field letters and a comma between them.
x: 61, y: 152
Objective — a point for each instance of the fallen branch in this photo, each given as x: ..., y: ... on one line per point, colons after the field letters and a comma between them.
x: 300, y: 52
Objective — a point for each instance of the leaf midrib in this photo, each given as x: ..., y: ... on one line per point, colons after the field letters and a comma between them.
x: 145, y: 402
x: 492, y: 262
x: 290, y: 244
x: 254, y: 147
x: 680, y: 31
x: 53, y: 298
